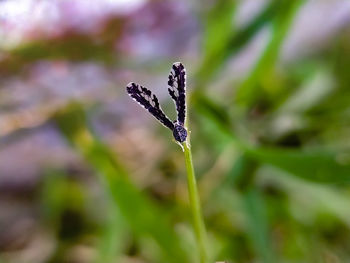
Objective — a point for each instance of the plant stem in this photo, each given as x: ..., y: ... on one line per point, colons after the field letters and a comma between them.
x: 198, y: 221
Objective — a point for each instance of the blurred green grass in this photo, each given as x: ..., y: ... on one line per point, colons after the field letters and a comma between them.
x: 282, y: 197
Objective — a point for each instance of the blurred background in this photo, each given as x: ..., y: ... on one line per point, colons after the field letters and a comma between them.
x: 87, y: 175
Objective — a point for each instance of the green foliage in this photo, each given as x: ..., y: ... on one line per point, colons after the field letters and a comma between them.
x: 218, y: 27
x: 133, y: 204
x: 317, y: 165
x: 271, y: 151
x: 284, y: 16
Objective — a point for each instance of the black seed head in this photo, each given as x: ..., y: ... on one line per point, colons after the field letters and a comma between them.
x: 180, y: 133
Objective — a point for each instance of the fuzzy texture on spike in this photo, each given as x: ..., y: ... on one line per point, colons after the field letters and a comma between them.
x: 150, y: 102
x: 177, y: 90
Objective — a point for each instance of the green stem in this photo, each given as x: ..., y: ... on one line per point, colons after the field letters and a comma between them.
x: 198, y: 221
